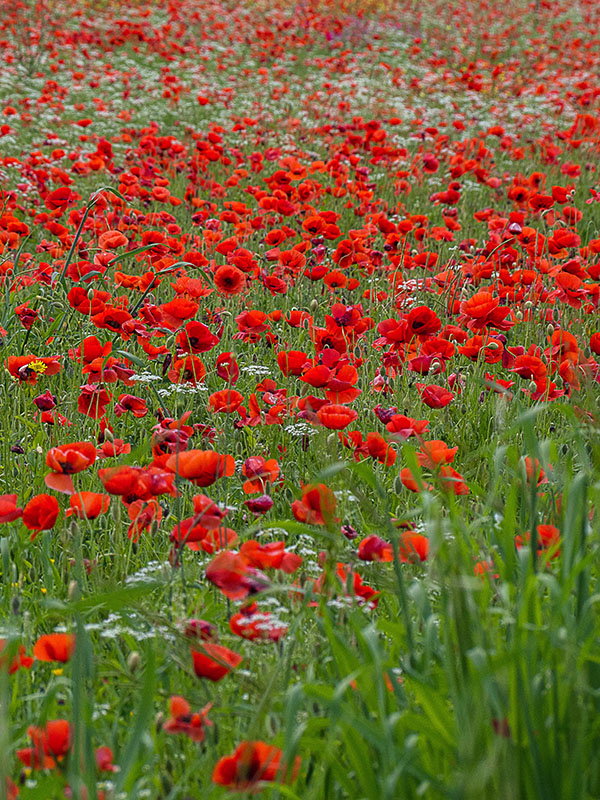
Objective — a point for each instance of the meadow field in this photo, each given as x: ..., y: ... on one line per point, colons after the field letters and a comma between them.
x: 299, y: 400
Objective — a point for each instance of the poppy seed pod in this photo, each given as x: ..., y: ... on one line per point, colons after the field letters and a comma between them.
x: 134, y: 661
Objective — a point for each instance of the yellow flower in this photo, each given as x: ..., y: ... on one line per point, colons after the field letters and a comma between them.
x: 38, y: 366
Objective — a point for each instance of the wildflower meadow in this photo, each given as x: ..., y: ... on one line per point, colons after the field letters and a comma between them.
x: 299, y: 399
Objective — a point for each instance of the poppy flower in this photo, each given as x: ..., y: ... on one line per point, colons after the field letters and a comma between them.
x: 187, y: 370
x: 182, y: 720
x: 201, y: 467
x: 271, y: 555
x: 434, y: 396
x: 372, y: 548
x: 18, y: 661
x: 229, y: 280
x: 88, y: 505
x: 317, y: 505
x: 214, y: 661
x: 93, y: 400
x: 41, y: 513
x: 27, y: 369
x: 227, y: 368
x: 402, y: 427
x: 413, y: 547
x: 336, y: 417
x: 232, y: 574
x: 435, y: 452
x: 196, y: 338
x: 251, y: 764
x: 8, y: 508
x: 66, y: 460
x: 129, y: 402
x: 259, y: 472
x: 548, y: 539
x: 452, y: 481
x: 142, y: 514
x: 50, y: 745
x: 54, y: 647
x: 225, y: 401
x: 255, y: 625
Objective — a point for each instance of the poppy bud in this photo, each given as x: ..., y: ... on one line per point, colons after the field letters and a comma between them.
x: 398, y: 484
x: 331, y: 439
x: 349, y: 532
x: 90, y: 294
x: 550, y: 329
x: 532, y: 387
x: 73, y: 591
x: 45, y: 402
x: 314, y: 304
x: 134, y: 661
x: 519, y: 316
x: 259, y: 505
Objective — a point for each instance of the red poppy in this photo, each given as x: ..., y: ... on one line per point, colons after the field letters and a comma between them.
x: 317, y: 505
x: 182, y: 720
x: 413, y: 546
x: 229, y: 280
x: 142, y: 513
x: 292, y: 362
x: 435, y: 452
x: 54, y: 647
x: 50, y: 745
x: 548, y: 539
x: 214, y: 661
x: 225, y: 401
x: 227, y: 368
x: 187, y: 370
x: 402, y: 427
x: 434, y: 396
x: 129, y: 402
x: 27, y: 368
x: 251, y: 764
x: 66, y: 460
x: 88, y: 505
x: 372, y: 548
x: 93, y: 400
x: 254, y: 625
x: 336, y: 417
x: 196, y: 338
x: 201, y: 467
x: 271, y: 555
x: 18, y: 661
x: 8, y: 508
x: 259, y: 472
x: 41, y: 513
x: 232, y: 574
